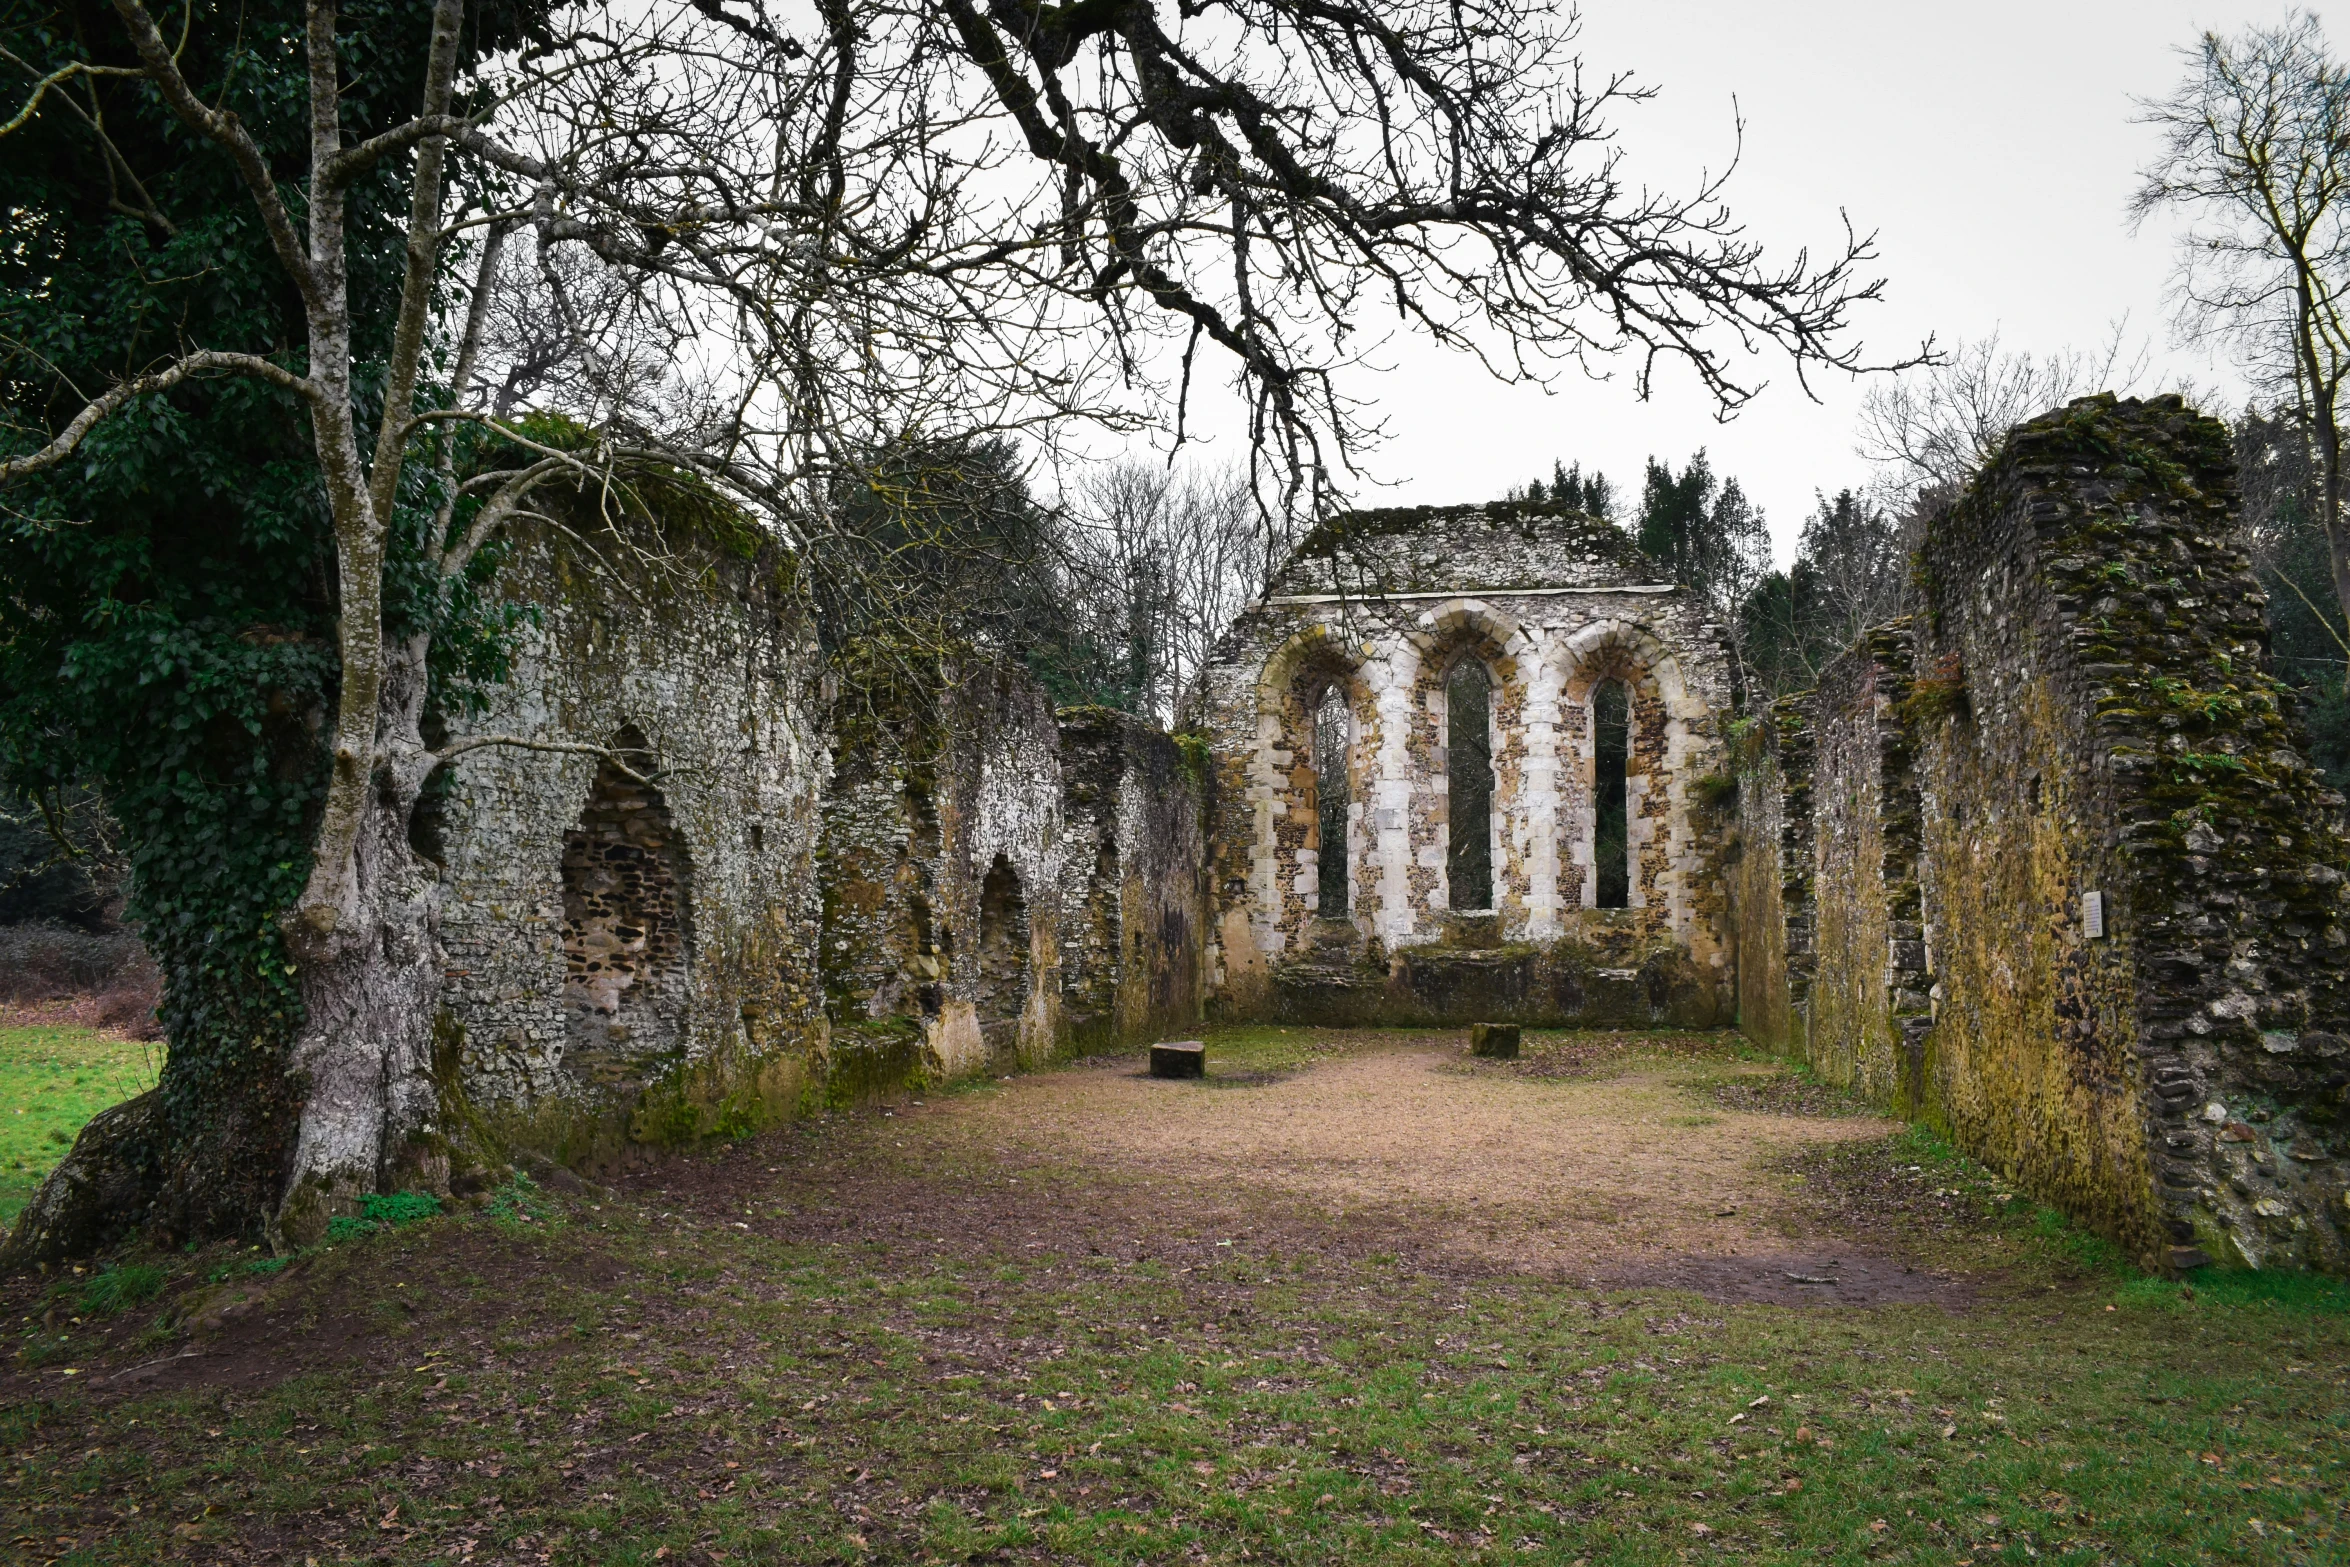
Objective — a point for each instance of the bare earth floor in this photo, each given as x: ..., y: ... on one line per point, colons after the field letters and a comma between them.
x: 1353, y: 1299
x: 1398, y: 1140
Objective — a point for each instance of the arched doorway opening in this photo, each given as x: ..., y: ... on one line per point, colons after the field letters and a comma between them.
x: 1611, y: 833
x: 1468, y: 771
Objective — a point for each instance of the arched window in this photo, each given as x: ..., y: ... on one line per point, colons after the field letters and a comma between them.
x: 1333, y: 727
x: 1611, y: 836
x: 1468, y: 771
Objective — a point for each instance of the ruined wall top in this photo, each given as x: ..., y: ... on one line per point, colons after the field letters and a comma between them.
x: 1509, y: 546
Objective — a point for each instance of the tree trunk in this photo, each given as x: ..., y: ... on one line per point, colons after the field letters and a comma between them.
x: 370, y: 985
x: 2329, y: 439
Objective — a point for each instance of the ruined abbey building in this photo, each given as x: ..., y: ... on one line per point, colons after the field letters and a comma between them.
x: 777, y: 892
x: 2042, y: 864
x: 1461, y: 763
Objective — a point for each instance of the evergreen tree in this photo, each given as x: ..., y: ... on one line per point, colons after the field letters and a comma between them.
x: 1714, y: 539
x: 1573, y: 489
x: 1855, y: 549
x: 1674, y: 512
x: 948, y: 545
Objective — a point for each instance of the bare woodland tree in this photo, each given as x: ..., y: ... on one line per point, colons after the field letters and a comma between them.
x: 1856, y: 552
x: 762, y: 247
x: 2256, y: 148
x: 1930, y: 429
x: 1167, y: 559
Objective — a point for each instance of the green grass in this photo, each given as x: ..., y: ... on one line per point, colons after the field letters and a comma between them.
x: 118, y: 1288
x: 52, y: 1080
x: 834, y: 1405
x: 381, y: 1211
x: 621, y: 1381
x: 1259, y: 1050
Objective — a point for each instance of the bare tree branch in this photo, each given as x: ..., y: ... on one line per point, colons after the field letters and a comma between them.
x: 78, y: 428
x: 2256, y: 148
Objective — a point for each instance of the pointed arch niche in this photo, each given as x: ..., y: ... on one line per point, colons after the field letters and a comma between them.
x: 627, y: 943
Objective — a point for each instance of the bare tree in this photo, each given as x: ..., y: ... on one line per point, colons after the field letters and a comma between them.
x: 759, y: 248
x: 1733, y: 561
x: 2256, y: 148
x: 1166, y: 558
x: 1928, y: 430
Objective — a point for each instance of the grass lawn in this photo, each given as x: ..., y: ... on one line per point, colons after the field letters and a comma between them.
x: 52, y: 1080
x: 881, y: 1340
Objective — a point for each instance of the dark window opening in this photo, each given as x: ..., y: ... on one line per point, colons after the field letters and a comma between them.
x: 1611, y: 838
x: 918, y: 919
x: 1332, y: 795
x: 1468, y: 771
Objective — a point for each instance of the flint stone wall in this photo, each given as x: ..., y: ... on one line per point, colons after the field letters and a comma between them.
x: 2081, y: 705
x: 1758, y: 863
x: 1095, y: 821
x: 678, y: 648
x: 1380, y: 606
x: 1132, y: 892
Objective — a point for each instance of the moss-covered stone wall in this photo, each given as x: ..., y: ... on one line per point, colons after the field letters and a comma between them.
x: 939, y: 961
x: 1753, y: 874
x: 2054, y: 872
x: 1133, y: 894
x: 1865, y: 1012
x: 676, y: 649
x: 2097, y: 714
x: 1001, y: 883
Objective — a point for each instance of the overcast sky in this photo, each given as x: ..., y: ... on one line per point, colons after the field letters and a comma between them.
x: 1991, y: 146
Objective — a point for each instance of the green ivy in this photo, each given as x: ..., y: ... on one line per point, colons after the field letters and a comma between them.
x: 167, y: 599
x: 382, y: 1211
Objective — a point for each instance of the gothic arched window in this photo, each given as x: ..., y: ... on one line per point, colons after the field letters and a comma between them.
x: 1468, y: 771
x: 1611, y: 836
x: 1332, y: 731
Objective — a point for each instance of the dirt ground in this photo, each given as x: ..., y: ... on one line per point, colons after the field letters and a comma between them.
x: 1617, y: 1165
x: 1606, y: 1161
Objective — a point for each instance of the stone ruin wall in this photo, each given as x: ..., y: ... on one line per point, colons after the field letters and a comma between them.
x: 629, y: 959
x: 787, y: 909
x: 1867, y: 1003
x: 2081, y: 704
x: 1381, y: 605
x: 762, y: 903
x: 1133, y: 895
x: 1001, y: 883
x: 1762, y: 903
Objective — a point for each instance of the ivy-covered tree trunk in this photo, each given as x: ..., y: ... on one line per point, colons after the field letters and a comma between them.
x: 370, y: 982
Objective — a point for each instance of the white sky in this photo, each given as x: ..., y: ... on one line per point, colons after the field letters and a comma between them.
x: 1989, y: 142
